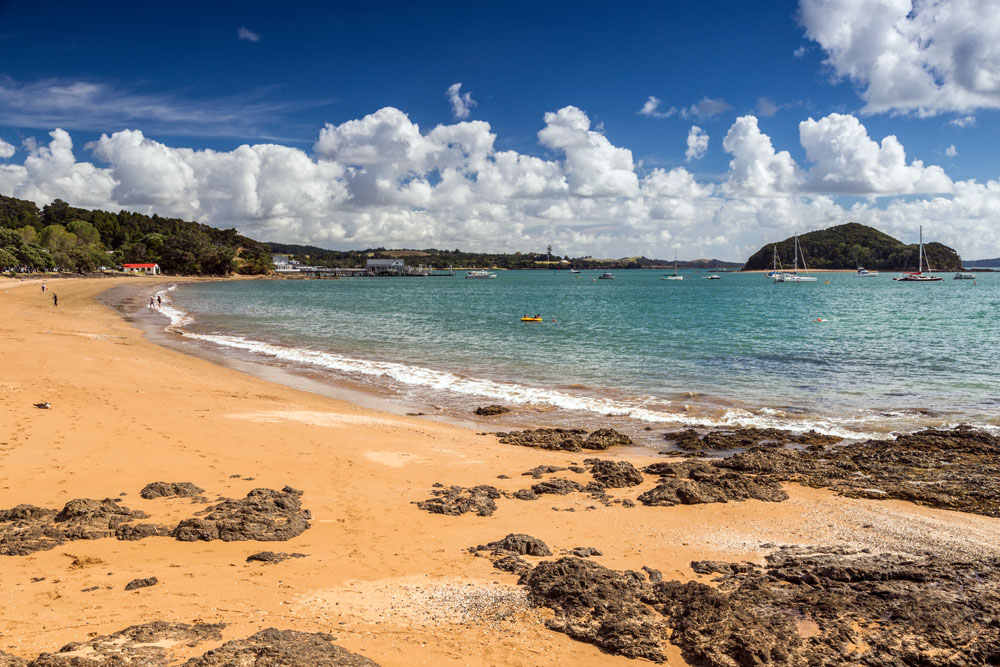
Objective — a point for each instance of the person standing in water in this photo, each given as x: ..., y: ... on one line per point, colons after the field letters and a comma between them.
x: 159, y: 301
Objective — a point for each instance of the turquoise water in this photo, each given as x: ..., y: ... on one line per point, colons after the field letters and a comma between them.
x: 636, y: 350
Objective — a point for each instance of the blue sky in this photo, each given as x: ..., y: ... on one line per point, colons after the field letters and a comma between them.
x: 157, y: 101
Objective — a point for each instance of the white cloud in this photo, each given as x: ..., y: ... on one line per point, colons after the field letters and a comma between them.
x: 381, y: 180
x: 697, y: 144
x: 706, y: 108
x: 461, y: 105
x: 248, y: 35
x: 6, y: 150
x: 766, y: 107
x: 963, y: 121
x: 927, y: 57
x: 799, y: 52
x: 652, y: 109
x: 951, y: 151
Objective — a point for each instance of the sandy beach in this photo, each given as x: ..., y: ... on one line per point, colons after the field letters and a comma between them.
x: 389, y: 581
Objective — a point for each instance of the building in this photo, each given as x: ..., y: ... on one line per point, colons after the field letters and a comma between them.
x: 148, y: 269
x: 385, y: 267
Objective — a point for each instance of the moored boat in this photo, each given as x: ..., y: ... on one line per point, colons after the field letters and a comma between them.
x: 964, y: 275
x: 480, y: 274
x: 919, y: 276
x: 865, y: 273
x: 607, y: 275
x: 793, y: 275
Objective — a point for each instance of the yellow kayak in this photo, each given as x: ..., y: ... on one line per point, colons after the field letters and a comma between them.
x: 531, y: 319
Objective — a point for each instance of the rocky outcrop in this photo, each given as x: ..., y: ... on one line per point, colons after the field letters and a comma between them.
x: 956, y: 469
x: 25, y: 529
x: 145, y: 645
x: 288, y: 648
x: 140, y: 531
x: 599, y: 606
x: 456, y: 500
x: 272, y: 557
x: 538, y: 471
x: 744, y: 438
x: 614, y: 474
x: 570, y: 440
x: 492, y: 410
x: 694, y: 483
x: 264, y: 515
x: 169, y: 490
x: 521, y: 544
x: 8, y: 660
x: 556, y: 486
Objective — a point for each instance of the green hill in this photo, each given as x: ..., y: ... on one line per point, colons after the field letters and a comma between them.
x: 77, y: 239
x: 847, y: 246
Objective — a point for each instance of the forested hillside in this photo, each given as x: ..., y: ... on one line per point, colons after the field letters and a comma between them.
x: 78, y: 239
x: 848, y: 246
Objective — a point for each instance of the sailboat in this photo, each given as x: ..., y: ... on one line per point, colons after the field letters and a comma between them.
x: 794, y: 277
x: 675, y: 276
x: 918, y: 276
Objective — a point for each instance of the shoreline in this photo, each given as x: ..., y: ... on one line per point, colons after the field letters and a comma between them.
x: 379, y: 573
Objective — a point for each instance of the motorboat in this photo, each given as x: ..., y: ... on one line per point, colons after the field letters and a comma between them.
x: 865, y: 273
x: 919, y: 276
x: 480, y: 274
x: 574, y: 270
x: 964, y: 275
x: 713, y: 277
x: 607, y: 275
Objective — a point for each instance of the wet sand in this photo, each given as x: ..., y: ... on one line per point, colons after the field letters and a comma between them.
x: 389, y: 581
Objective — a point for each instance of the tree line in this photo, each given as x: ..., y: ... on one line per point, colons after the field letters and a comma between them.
x: 60, y: 236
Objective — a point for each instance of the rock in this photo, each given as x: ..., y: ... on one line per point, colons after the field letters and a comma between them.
x: 141, y: 583
x: 655, y: 576
x: 606, y: 438
x: 594, y: 604
x: 281, y: 648
x: 585, y: 552
x: 491, y: 410
x: 557, y: 486
x: 272, y: 557
x: 743, y: 438
x: 521, y: 544
x: 525, y: 494
x: 705, y: 484
x: 170, y: 489
x: 264, y: 515
x: 456, y: 500
x: 140, y: 531
x: 513, y: 564
x: 614, y: 474
x: 25, y: 529
x: 570, y: 440
x: 538, y: 471
x: 138, y: 646
x: 8, y: 660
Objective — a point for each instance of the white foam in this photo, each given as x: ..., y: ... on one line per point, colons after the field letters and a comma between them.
x: 178, y: 318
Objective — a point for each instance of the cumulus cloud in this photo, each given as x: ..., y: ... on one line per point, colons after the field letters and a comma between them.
x: 951, y: 151
x: 247, y: 35
x: 697, y: 144
x: 707, y: 108
x: 925, y: 57
x: 6, y: 150
x: 382, y: 180
x: 461, y: 105
x: 652, y: 109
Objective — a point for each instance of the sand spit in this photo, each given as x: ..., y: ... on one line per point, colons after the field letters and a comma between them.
x: 382, y: 579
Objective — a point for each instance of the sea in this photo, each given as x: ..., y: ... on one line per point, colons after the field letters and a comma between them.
x: 848, y: 356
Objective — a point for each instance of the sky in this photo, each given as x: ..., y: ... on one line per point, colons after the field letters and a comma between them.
x: 707, y: 128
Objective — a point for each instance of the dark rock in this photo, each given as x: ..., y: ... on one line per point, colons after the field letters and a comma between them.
x: 281, y: 648
x: 521, y: 544
x: 140, y: 531
x: 491, y: 410
x: 743, y: 438
x: 170, y: 489
x: 585, y: 552
x: 8, y: 660
x: 513, y: 564
x: 705, y: 484
x: 538, y: 471
x: 655, y: 576
x: 525, y: 494
x: 606, y: 438
x: 25, y: 529
x: 570, y: 440
x: 141, y: 583
x: 456, y: 500
x: 86, y: 590
x: 136, y: 646
x: 600, y: 606
x: 272, y: 557
x: 557, y: 486
x: 264, y: 515
x: 614, y: 474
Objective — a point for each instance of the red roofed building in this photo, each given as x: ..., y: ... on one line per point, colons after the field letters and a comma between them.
x: 148, y: 269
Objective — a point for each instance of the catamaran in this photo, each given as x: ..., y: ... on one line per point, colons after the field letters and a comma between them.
x: 675, y: 276
x: 794, y: 277
x: 919, y: 276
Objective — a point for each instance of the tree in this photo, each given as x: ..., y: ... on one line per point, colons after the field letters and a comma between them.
x: 86, y: 233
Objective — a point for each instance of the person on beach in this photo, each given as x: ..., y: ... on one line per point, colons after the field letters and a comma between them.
x: 55, y: 299
x: 43, y: 288
x: 159, y: 301
x: 151, y: 303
